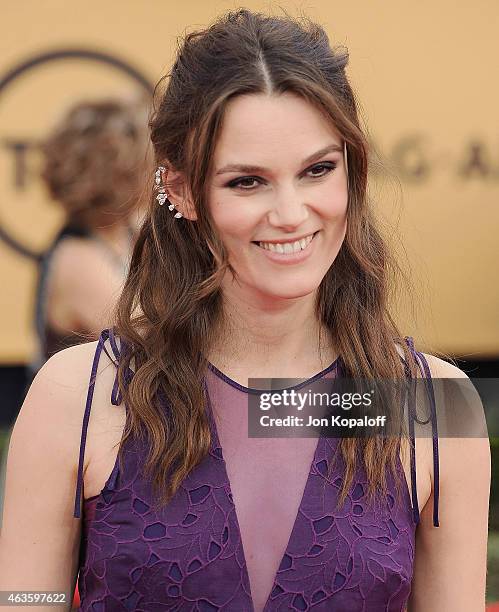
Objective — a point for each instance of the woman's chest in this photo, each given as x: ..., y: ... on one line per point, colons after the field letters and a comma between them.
x: 247, y: 528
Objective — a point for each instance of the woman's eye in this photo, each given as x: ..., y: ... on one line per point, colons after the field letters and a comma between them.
x: 242, y: 183
x: 330, y: 166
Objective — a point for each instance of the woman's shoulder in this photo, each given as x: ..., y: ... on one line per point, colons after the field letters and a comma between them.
x: 59, y: 392
x: 457, y: 405
x: 468, y: 450
x: 73, y: 364
x: 440, y: 368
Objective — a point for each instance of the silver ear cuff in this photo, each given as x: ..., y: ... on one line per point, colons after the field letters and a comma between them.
x: 162, y: 195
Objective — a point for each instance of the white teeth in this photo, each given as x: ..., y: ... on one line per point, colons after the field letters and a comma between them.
x: 287, y: 247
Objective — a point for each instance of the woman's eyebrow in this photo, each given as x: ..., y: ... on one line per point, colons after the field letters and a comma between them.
x: 251, y: 168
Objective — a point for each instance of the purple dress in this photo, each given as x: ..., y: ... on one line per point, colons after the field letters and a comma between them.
x: 190, y: 555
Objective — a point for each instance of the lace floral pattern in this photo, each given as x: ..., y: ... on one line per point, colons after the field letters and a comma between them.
x: 189, y: 556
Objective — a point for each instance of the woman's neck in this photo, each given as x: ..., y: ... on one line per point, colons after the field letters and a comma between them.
x: 283, y: 339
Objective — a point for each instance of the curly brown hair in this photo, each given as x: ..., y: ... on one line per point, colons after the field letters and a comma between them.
x: 171, y: 306
x: 94, y: 161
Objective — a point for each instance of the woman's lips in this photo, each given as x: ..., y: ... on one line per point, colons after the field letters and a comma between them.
x: 290, y: 258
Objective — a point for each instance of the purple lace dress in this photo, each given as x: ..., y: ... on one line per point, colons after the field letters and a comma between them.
x: 302, y: 552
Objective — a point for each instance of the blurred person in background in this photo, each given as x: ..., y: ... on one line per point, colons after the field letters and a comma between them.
x: 94, y: 164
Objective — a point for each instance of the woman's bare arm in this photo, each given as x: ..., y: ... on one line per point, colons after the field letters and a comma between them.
x: 451, y: 560
x: 40, y: 538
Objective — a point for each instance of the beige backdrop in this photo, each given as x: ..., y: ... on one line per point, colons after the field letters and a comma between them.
x: 426, y: 76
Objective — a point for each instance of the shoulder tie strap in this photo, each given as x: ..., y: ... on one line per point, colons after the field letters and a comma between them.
x: 115, y: 400
x: 426, y: 374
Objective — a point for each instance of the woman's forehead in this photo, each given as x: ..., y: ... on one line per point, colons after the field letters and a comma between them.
x: 257, y: 127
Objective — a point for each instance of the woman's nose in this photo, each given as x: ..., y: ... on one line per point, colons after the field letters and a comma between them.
x: 288, y: 209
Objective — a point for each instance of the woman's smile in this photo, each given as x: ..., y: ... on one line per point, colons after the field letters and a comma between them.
x: 291, y: 220
x: 288, y: 252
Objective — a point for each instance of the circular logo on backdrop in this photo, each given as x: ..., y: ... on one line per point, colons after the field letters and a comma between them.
x: 33, y: 94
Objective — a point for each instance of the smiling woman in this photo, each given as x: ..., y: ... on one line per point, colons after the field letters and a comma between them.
x: 262, y: 219
x: 266, y: 262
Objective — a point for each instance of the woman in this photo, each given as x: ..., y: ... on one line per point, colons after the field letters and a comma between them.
x: 93, y: 168
x: 258, y: 145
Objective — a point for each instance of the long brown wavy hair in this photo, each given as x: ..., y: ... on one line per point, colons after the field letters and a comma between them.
x: 170, y: 310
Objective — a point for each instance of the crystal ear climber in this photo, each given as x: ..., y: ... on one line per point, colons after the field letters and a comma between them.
x: 162, y: 195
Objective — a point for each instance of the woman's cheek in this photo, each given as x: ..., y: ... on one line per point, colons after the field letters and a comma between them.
x: 335, y: 206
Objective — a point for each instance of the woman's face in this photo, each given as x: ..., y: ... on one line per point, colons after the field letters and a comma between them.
x: 293, y: 188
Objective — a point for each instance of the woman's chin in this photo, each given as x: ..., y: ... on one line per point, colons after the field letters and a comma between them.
x: 290, y: 290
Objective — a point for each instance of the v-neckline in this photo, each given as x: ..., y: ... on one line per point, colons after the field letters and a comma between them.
x: 336, y: 365
x: 215, y: 444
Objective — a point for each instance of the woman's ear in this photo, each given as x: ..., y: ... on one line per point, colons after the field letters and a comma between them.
x: 178, y: 193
